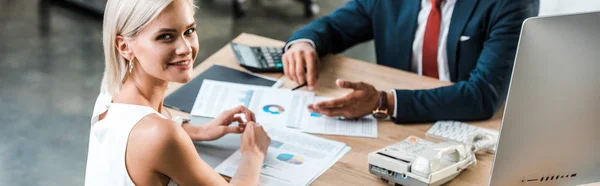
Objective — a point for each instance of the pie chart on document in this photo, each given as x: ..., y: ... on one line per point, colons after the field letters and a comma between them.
x: 273, y: 109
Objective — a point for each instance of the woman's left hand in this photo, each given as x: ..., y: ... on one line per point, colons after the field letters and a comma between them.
x: 219, y: 127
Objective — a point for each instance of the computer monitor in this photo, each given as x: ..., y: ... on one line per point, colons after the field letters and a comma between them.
x: 550, y: 132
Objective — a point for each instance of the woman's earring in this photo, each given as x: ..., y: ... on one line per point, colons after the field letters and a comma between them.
x: 130, y: 66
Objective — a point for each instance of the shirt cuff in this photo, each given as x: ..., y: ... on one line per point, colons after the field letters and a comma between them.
x: 297, y: 41
x: 395, y: 105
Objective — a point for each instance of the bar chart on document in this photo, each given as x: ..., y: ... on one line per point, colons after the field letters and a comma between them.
x: 216, y: 99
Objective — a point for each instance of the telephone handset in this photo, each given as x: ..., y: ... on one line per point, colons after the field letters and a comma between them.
x: 439, y: 156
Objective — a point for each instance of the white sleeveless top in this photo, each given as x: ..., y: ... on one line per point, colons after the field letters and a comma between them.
x: 108, y: 142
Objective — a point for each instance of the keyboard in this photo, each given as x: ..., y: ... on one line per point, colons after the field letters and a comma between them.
x: 461, y: 132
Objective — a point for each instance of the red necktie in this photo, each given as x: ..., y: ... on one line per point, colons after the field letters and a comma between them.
x: 430, y: 40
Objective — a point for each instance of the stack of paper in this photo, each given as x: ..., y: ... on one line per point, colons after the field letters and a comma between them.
x: 278, y: 108
x: 293, y: 158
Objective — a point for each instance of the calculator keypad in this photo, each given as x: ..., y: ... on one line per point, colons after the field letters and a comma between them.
x: 270, y: 57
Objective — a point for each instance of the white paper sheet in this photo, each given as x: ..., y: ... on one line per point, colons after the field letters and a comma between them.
x: 278, y: 108
x: 293, y: 158
x: 273, y: 107
x: 320, y: 124
x: 337, y: 158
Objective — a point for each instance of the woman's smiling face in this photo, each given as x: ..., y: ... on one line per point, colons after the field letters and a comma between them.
x: 166, y: 48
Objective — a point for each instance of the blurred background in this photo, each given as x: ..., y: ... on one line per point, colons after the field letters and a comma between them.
x: 51, y: 64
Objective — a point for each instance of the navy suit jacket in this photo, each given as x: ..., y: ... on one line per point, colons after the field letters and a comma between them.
x: 480, y: 67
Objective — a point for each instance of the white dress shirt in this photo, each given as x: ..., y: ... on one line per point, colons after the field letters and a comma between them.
x: 417, y: 50
x: 416, y: 66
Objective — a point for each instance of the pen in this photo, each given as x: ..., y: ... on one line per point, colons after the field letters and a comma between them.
x: 299, y: 86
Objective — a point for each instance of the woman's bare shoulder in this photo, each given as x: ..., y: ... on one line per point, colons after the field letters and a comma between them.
x: 153, y: 135
x: 152, y: 142
x: 155, y: 131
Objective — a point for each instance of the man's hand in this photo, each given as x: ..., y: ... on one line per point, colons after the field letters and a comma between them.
x: 219, y: 127
x: 301, y: 64
x: 360, y: 102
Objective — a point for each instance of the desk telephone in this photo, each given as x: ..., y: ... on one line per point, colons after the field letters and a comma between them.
x: 418, y: 162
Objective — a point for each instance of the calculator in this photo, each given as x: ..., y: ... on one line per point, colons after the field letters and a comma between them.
x: 258, y: 59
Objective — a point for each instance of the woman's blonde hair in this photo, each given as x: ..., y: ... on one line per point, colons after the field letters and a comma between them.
x: 125, y: 18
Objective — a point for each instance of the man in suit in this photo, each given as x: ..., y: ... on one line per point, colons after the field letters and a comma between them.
x: 469, y: 42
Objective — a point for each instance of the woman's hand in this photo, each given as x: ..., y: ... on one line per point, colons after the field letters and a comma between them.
x: 219, y: 127
x: 254, y: 144
x: 254, y: 141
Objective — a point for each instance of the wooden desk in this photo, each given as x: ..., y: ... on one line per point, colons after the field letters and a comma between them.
x: 352, y: 169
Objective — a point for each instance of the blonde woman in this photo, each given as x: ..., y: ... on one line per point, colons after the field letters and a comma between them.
x: 133, y: 141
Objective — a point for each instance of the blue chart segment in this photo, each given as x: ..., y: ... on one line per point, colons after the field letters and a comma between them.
x: 313, y: 114
x: 275, y: 144
x: 290, y: 158
x: 245, y: 97
x: 273, y: 109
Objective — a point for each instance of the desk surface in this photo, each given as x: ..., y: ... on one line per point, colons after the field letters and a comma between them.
x: 352, y: 169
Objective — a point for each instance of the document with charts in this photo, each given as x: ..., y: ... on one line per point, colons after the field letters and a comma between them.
x: 293, y: 158
x: 278, y: 108
x: 320, y: 124
x: 271, y: 106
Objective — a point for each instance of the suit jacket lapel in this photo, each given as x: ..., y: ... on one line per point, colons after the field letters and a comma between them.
x: 463, y: 10
x: 412, y: 8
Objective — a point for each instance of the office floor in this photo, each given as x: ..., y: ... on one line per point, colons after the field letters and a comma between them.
x: 51, y: 64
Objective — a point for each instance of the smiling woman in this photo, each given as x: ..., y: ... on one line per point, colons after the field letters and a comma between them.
x: 133, y: 140
x: 135, y: 29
